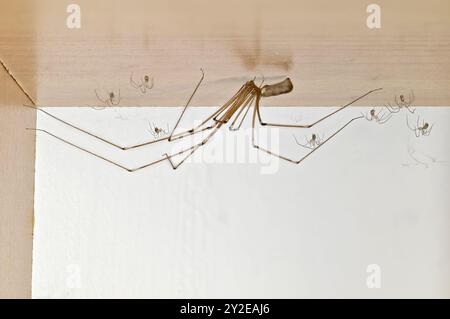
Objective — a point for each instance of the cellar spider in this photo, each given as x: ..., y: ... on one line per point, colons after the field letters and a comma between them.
x: 249, y: 95
x: 146, y: 83
x: 379, y: 117
x: 158, y: 132
x: 111, y: 100
x: 402, y: 102
x: 420, y: 130
x: 311, y: 143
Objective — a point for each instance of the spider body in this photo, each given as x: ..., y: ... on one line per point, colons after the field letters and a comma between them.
x: 146, y: 83
x: 111, y: 100
x: 378, y: 117
x: 311, y: 143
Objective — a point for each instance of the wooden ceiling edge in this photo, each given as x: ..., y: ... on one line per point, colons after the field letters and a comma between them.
x: 17, y: 82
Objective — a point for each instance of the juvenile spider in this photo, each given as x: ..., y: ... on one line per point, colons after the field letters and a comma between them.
x: 146, y: 83
x: 379, y: 117
x: 311, y: 143
x: 402, y: 103
x: 420, y: 130
x: 158, y: 132
x: 111, y: 100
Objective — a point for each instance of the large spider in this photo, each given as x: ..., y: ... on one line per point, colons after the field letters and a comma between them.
x: 247, y: 96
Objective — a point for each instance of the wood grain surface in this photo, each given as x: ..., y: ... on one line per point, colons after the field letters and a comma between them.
x: 324, y: 46
x: 17, y: 152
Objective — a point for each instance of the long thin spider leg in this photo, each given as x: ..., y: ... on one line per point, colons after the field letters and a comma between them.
x: 225, y: 107
x: 99, y: 98
x: 417, y: 133
x: 187, y: 104
x: 193, y: 148
x: 97, y: 108
x: 384, y: 115
x: 308, y: 154
x: 300, y: 144
x: 168, y: 129
x: 410, y: 109
x: 391, y: 108
x: 228, y: 112
x: 212, y: 116
x: 384, y: 118
x: 243, y: 118
x: 131, y: 170
x: 378, y: 114
x: 321, y: 139
x: 387, y: 108
x: 94, y: 154
x: 319, y: 120
x: 133, y: 83
x: 247, y: 104
x: 262, y: 81
x: 412, y: 97
x: 152, y: 131
x: 234, y: 103
x: 366, y: 116
x: 124, y: 148
x: 178, y: 136
x: 151, y: 85
x: 396, y: 102
x: 328, y: 139
x: 409, y: 126
x: 411, y: 101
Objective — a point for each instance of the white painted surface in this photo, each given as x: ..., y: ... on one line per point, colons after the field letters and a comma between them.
x: 211, y: 230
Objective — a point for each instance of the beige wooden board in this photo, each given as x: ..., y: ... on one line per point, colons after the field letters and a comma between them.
x: 17, y: 149
x: 324, y: 46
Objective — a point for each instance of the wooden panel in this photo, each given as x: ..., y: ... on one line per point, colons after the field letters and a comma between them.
x: 324, y: 46
x: 17, y: 148
x: 17, y: 151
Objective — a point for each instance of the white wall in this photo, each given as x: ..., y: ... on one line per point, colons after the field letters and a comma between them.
x: 270, y: 229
